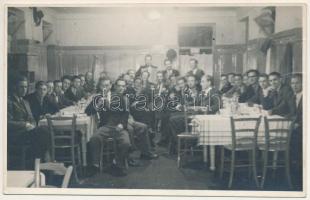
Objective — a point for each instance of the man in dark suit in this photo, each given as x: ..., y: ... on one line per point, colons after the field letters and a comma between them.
x: 169, y: 70
x: 149, y: 67
x: 21, y: 124
x: 280, y: 97
x: 66, y: 83
x: 253, y: 76
x: 239, y: 89
x: 114, y: 118
x: 57, y: 97
x: 225, y: 84
x: 39, y: 103
x: 297, y: 130
x: 89, y: 85
x: 198, y: 73
x: 74, y: 93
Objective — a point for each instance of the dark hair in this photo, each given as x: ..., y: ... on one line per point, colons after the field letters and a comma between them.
x: 253, y: 71
x: 148, y: 73
x: 160, y: 72
x: 263, y: 75
x: 39, y: 84
x: 210, y: 79
x: 66, y: 77
x: 238, y: 75
x: 191, y: 75
x: 81, y: 75
x: 277, y: 74
x: 120, y: 79
x: 182, y: 78
x: 231, y: 73
x: 224, y: 75
x: 148, y: 55
x: 57, y: 81
x: 75, y: 77
x: 137, y: 78
x: 297, y: 75
x: 20, y: 79
x: 196, y: 61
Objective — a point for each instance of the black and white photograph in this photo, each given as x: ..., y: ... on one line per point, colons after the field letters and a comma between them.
x: 163, y: 98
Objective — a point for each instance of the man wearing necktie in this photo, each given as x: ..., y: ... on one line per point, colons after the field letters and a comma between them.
x: 296, y: 139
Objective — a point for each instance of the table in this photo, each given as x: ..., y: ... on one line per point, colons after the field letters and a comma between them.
x: 216, y: 130
x: 85, y: 124
x: 22, y: 179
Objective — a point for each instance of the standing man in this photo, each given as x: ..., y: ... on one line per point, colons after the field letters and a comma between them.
x: 169, y: 70
x: 198, y: 73
x: 149, y: 67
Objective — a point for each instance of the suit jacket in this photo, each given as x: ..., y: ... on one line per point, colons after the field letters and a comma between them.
x: 244, y: 92
x: 256, y: 96
x: 173, y: 72
x: 111, y: 114
x: 282, y: 101
x: 89, y: 87
x: 74, y: 97
x: 153, y: 71
x: 58, y: 102
x: 199, y: 73
x: 19, y: 112
x: 212, y: 99
x: 37, y: 108
x: 226, y: 88
x: 298, y: 116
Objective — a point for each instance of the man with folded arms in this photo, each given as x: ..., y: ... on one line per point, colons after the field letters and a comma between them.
x: 22, y: 127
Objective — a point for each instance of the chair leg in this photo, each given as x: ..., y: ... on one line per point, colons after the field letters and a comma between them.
x: 179, y: 152
x: 222, y: 162
x: 265, y: 162
x: 232, y: 168
x: 254, y: 167
x: 287, y: 168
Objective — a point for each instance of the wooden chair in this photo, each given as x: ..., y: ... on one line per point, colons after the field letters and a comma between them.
x: 56, y: 169
x: 277, y: 140
x: 108, y: 149
x: 64, y: 138
x: 243, y: 139
x: 183, y: 139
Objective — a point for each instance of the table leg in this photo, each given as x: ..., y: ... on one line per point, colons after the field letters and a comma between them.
x: 212, y: 157
x: 84, y: 148
x: 205, y: 153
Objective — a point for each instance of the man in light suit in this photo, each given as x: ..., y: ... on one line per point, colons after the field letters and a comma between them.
x: 149, y: 67
x: 198, y: 73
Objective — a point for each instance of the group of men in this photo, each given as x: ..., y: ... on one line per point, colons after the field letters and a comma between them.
x: 140, y: 103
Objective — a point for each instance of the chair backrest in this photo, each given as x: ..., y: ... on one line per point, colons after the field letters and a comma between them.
x: 278, y: 132
x: 62, y: 129
x: 56, y: 168
x: 189, y: 121
x: 244, y: 130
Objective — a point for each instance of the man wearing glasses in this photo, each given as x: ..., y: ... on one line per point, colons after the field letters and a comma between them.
x: 253, y: 82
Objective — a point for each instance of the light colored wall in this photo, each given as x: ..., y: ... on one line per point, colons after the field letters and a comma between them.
x: 288, y: 18
x: 133, y: 28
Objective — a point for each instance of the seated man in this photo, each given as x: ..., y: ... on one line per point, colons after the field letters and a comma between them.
x: 114, y: 119
x: 243, y: 92
x: 225, y: 85
x: 74, y: 93
x: 89, y: 85
x: 209, y: 98
x: 22, y: 126
x: 39, y: 103
x: 264, y: 90
x: 66, y: 83
x: 57, y: 98
x: 279, y: 97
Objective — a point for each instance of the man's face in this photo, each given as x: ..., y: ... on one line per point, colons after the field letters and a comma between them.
x: 160, y: 77
x: 237, y: 81
x: 58, y: 87
x: 66, y: 84
x: 173, y: 80
x: 274, y: 82
x: 223, y: 80
x: 131, y: 73
x: 121, y: 86
x: 22, y: 88
x: 204, y: 83
x: 82, y: 78
x: 252, y: 78
x: 231, y: 78
x: 181, y: 84
x: 50, y: 87
x: 245, y: 79
x: 168, y: 64
x: 148, y: 60
x: 193, y: 64
x: 89, y: 76
x: 296, y: 85
x: 76, y: 83
x: 138, y: 83
x: 126, y: 77
x: 263, y: 82
x: 191, y: 82
x: 41, y: 90
x: 105, y: 85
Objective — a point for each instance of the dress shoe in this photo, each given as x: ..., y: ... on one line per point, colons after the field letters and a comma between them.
x: 149, y: 156
x: 133, y: 163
